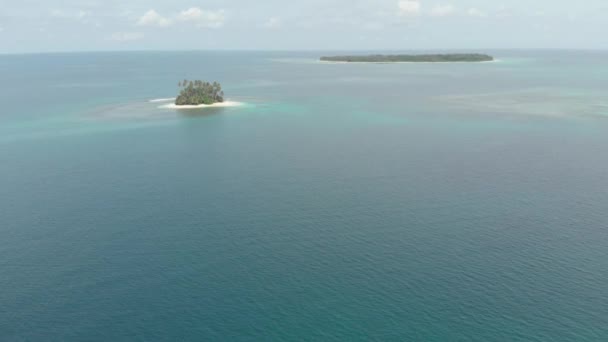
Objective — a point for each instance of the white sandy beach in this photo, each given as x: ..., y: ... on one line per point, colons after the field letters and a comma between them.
x: 215, y: 105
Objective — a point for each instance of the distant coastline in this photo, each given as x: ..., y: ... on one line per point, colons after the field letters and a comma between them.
x: 429, y: 58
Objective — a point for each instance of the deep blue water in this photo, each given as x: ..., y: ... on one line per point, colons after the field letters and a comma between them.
x: 420, y: 202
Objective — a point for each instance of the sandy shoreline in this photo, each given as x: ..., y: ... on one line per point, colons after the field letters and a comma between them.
x: 215, y: 105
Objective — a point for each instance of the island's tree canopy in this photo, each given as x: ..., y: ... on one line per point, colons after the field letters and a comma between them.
x: 199, y: 92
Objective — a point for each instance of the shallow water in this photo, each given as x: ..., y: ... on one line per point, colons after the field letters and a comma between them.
x: 425, y: 202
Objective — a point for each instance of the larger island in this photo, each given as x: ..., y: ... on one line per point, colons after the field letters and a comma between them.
x: 436, y: 58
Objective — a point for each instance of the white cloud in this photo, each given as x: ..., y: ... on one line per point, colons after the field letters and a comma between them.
x: 474, y: 12
x: 81, y: 16
x: 126, y: 36
x: 373, y: 26
x: 200, y: 17
x: 504, y: 12
x: 203, y: 18
x: 539, y: 14
x: 273, y: 23
x: 442, y: 10
x: 409, y: 7
x: 66, y: 14
x: 152, y: 18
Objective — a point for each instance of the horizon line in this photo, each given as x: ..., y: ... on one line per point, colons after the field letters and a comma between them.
x: 58, y: 52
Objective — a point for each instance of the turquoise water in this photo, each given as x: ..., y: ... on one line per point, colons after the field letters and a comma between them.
x: 420, y: 202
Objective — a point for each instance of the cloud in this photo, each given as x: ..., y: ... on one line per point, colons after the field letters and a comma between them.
x: 152, y: 18
x: 273, y: 23
x: 504, y: 12
x: 81, y: 16
x: 373, y: 26
x: 200, y: 17
x: 66, y: 14
x: 203, y: 18
x: 442, y: 10
x: 409, y: 7
x: 474, y: 12
x: 126, y: 36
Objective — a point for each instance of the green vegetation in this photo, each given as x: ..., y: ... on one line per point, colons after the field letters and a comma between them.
x: 199, y: 92
x: 411, y: 58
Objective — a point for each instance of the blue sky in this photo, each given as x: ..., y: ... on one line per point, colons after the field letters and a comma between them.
x: 84, y: 25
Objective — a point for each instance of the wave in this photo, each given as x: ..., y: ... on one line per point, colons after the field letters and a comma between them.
x: 163, y: 100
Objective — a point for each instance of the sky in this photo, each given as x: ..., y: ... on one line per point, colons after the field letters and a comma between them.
x: 99, y: 25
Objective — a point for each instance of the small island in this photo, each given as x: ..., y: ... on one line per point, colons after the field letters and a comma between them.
x: 436, y: 58
x: 195, y: 93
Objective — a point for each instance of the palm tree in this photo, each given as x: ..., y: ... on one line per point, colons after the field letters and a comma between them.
x: 199, y: 92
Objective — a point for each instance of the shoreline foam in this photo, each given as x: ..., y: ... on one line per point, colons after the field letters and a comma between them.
x: 162, y: 100
x: 215, y: 105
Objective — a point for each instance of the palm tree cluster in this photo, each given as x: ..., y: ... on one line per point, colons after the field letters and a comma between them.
x: 199, y: 92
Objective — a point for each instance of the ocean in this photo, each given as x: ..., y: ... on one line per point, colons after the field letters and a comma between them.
x: 341, y: 202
